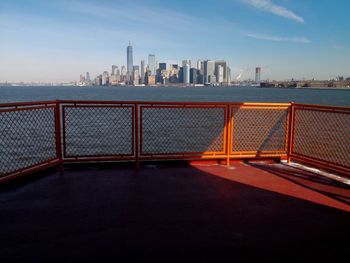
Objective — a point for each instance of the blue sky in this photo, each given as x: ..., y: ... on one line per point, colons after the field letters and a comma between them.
x: 42, y: 40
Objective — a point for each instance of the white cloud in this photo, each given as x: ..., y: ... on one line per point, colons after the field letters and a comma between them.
x: 280, y: 39
x: 269, y: 6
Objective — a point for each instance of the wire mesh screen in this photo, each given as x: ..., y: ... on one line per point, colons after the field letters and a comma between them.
x: 322, y: 135
x: 94, y: 131
x: 259, y: 130
x: 182, y: 130
x: 27, y: 138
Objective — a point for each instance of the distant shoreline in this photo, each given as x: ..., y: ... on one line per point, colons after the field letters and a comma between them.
x: 174, y: 86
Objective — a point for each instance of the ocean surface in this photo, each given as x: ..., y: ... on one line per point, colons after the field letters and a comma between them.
x: 194, y: 94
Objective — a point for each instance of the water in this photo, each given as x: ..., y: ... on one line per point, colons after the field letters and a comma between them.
x: 216, y: 94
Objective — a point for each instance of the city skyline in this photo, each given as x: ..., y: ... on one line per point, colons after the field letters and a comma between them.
x: 203, y: 72
x: 57, y: 40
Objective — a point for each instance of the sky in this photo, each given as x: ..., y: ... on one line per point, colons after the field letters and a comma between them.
x: 57, y: 40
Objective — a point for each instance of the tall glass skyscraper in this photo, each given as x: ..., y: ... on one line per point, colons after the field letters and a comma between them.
x: 142, y: 71
x: 130, y: 62
x: 152, y: 64
x: 257, y: 74
x: 186, y: 71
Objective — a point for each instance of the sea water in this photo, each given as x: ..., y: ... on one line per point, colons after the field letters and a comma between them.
x: 336, y: 97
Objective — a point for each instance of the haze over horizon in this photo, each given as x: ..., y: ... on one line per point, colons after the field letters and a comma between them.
x: 56, y: 41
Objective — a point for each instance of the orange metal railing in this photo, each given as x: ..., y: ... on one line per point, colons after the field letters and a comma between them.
x: 259, y: 130
x: 320, y: 135
x: 38, y: 135
x: 98, y: 131
x: 29, y: 138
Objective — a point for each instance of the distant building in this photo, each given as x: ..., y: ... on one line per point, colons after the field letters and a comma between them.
x: 199, y: 64
x: 161, y: 72
x: 186, y: 72
x: 123, y: 74
x: 114, y: 67
x: 257, y: 74
x: 212, y: 79
x: 152, y: 64
x: 87, y: 78
x: 123, y: 71
x: 105, y: 78
x: 174, y: 73
x: 136, y: 67
x: 150, y: 79
x: 223, y: 64
x: 181, y: 75
x: 130, y: 63
x: 194, y: 76
x: 209, y: 70
x: 98, y: 80
x: 117, y: 74
x: 82, y: 78
x: 219, y: 74
x: 113, y: 80
x: 136, y: 77
x: 142, y: 79
x: 228, y: 75
x: 201, y: 72
x: 162, y: 66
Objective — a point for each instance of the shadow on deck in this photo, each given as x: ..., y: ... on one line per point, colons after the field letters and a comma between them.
x: 175, y: 212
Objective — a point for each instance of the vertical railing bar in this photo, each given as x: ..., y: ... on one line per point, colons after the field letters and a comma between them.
x: 137, y: 136
x: 291, y: 132
x: 64, y: 131
x: 228, y: 134
x: 58, y: 135
x: 133, y: 131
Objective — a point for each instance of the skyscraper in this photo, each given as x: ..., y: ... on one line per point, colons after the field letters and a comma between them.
x: 199, y: 64
x: 130, y: 62
x: 152, y: 64
x: 87, y: 78
x: 228, y: 75
x: 257, y: 74
x: 186, y: 72
x: 209, y: 71
x: 142, y: 72
x: 224, y: 66
x: 105, y: 78
x: 219, y: 73
x: 136, y: 77
x: 114, y: 67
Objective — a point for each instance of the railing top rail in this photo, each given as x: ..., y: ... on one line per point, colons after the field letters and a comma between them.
x: 23, y: 104
x: 172, y: 103
x: 103, y: 102
x: 141, y: 102
x: 317, y: 106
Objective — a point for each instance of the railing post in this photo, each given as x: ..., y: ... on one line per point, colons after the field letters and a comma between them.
x: 290, y: 132
x: 137, y: 136
x: 58, y: 135
x: 228, y: 135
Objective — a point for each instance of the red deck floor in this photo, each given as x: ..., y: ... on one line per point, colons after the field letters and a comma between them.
x: 175, y: 213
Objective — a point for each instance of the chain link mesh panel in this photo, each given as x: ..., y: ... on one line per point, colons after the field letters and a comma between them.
x: 27, y: 138
x: 259, y: 129
x: 182, y: 130
x: 323, y: 135
x: 98, y: 131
